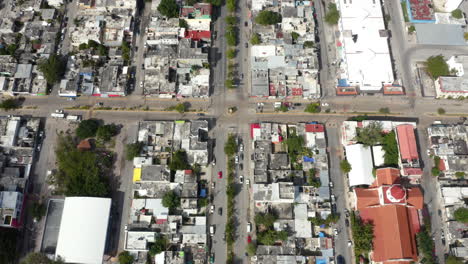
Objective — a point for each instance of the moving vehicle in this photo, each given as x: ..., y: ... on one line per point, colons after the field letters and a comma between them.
x: 212, y: 230
x: 249, y: 227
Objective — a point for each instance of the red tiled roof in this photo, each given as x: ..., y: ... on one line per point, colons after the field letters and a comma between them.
x: 407, y: 142
x: 415, y: 198
x: 366, y: 198
x: 441, y: 165
x: 394, y: 238
x: 421, y: 9
x: 198, y: 35
x: 314, y: 128
x: 413, y: 171
x: 386, y: 176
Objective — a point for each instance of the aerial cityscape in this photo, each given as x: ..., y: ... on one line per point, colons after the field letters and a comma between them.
x: 233, y: 131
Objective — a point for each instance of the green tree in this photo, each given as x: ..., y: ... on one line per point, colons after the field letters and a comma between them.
x: 363, y: 234
x: 179, y: 161
x: 53, y: 68
x: 437, y: 66
x: 425, y: 245
x: 435, y: 171
x: 231, y: 20
x: 345, y: 166
x: 229, y: 83
x: 332, y: 16
x: 255, y: 40
x: 38, y: 210
x: 171, y: 200
x: 202, y: 202
x: 441, y: 111
x: 390, y: 147
x: 9, y: 104
x: 457, y: 13
x: 370, y: 135
x: 265, y: 219
x: 181, y: 108
x: 231, y: 53
x: 168, y: 8
x: 106, y: 132
x: 295, y: 36
x: 133, y: 150
x: 230, y: 147
x: 38, y: 258
x: 251, y: 249
x: 309, y: 44
x: 454, y: 260
x: 267, y: 17
x: 83, y: 46
x: 295, y: 145
x: 159, y: 245
x: 79, y: 173
x: 270, y: 236
x: 460, y: 174
x: 283, y: 108
x: 312, y: 108
x: 231, y: 5
x: 87, y: 128
x: 183, y: 24
x: 103, y: 51
x: 231, y: 36
x: 125, y: 51
x: 125, y: 258
x: 461, y: 215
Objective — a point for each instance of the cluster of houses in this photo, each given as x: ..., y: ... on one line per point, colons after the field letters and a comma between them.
x: 30, y: 31
x: 285, y: 62
x: 19, y: 137
x: 184, y: 229
x: 176, y: 61
x: 99, y: 38
x: 295, y: 187
x: 448, y: 143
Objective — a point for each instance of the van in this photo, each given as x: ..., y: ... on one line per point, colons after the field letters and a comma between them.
x: 212, y: 230
x: 249, y: 227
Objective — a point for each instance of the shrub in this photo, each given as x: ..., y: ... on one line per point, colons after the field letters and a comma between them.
x: 87, y: 128
x: 345, y: 166
x: 457, y: 13
x: 437, y: 66
x: 313, y: 108
x: 441, y: 111
x: 255, y: 40
x: 461, y: 215
x: 133, y: 150
x: 171, y: 200
x: 332, y: 16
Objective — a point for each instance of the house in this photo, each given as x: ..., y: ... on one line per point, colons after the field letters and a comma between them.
x: 454, y: 86
x: 409, y: 156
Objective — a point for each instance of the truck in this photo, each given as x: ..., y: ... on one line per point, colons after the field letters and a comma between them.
x: 58, y: 115
x: 74, y: 118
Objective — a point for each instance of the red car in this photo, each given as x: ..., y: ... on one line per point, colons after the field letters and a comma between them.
x: 220, y: 174
x: 249, y: 239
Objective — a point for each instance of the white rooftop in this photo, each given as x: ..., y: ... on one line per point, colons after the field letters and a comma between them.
x: 365, y: 48
x: 360, y: 158
x: 83, y: 230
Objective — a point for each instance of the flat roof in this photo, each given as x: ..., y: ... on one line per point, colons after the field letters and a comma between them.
x: 360, y: 158
x: 440, y: 34
x: 83, y: 230
x: 365, y: 48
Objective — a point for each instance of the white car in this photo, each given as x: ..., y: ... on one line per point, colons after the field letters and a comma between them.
x: 241, y: 147
x: 236, y: 160
x: 335, y: 231
x: 212, y: 208
x: 249, y: 227
x: 331, y: 184
x: 241, y: 179
x: 247, y: 182
x: 212, y: 230
x: 212, y: 185
x: 350, y: 243
x: 325, y: 104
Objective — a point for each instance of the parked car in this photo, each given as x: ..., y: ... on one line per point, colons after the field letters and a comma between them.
x: 236, y: 160
x: 249, y: 239
x: 247, y: 182
x: 220, y: 211
x: 212, y: 230
x: 214, y: 161
x: 350, y: 243
x: 347, y: 222
x: 241, y: 147
x: 246, y: 45
x: 212, y: 185
x: 212, y: 208
x: 249, y: 227
x: 241, y: 179
x: 246, y: 23
x: 220, y: 174
x: 335, y: 231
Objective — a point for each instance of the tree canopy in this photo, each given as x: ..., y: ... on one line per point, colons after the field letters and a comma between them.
x: 332, y: 16
x: 9, y: 104
x: 370, y: 135
x: 363, y: 234
x: 87, y: 128
x: 106, y: 132
x: 461, y: 215
x: 230, y: 147
x: 80, y: 173
x: 9, y: 238
x: 437, y: 66
x: 168, y: 8
x: 265, y: 219
x: 133, y: 150
x: 159, y: 245
x: 457, y: 13
x: 255, y: 40
x: 425, y: 245
x: 125, y: 258
x: 312, y: 108
x: 390, y: 146
x: 267, y: 17
x: 231, y: 53
x: 181, y: 108
x: 171, y: 200
x: 270, y: 236
x: 53, y: 68
x: 345, y: 166
x: 179, y: 161
x: 39, y: 258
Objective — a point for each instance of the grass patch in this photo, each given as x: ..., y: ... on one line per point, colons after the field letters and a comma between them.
x: 405, y: 11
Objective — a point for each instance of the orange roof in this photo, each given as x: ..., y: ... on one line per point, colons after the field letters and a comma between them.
x: 407, y: 142
x: 415, y: 197
x: 366, y: 197
x: 394, y: 239
x: 386, y: 176
x: 84, y: 145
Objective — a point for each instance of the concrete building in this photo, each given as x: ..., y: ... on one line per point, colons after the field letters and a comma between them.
x: 363, y: 47
x: 360, y: 158
x: 454, y: 86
